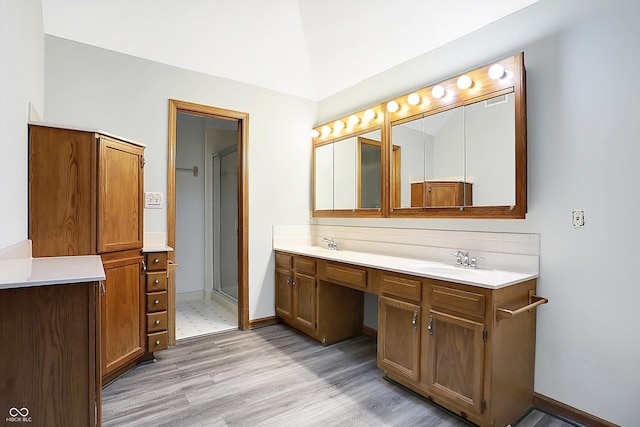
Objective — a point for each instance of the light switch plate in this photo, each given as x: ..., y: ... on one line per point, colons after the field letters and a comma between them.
x: 578, y: 218
x: 153, y: 200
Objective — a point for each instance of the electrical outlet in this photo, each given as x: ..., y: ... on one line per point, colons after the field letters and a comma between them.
x: 578, y: 218
x: 153, y: 200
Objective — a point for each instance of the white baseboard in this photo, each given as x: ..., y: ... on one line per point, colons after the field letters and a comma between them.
x: 189, y: 296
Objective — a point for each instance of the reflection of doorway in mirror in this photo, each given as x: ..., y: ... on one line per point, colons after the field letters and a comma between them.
x: 369, y: 173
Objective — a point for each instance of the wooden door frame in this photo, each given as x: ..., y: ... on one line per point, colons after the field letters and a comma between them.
x: 175, y: 107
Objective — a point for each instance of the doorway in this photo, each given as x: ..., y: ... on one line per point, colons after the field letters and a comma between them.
x: 238, y: 250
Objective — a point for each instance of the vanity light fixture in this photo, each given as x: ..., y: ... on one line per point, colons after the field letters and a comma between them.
x: 369, y: 115
x: 413, y: 99
x: 338, y: 126
x: 314, y: 133
x: 438, y: 91
x: 464, y: 82
x: 496, y: 72
x: 326, y: 130
x: 392, y: 106
x: 353, y: 120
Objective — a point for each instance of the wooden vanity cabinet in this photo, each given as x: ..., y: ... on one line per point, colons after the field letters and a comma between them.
x: 296, y: 295
x: 399, y: 324
x: 122, y: 312
x: 322, y: 310
x: 156, y: 302
x: 86, y: 198
x: 471, y: 362
x: 48, y: 358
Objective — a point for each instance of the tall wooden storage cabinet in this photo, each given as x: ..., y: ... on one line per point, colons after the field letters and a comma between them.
x: 86, y: 198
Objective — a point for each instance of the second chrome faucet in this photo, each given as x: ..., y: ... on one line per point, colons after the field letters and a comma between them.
x: 464, y: 260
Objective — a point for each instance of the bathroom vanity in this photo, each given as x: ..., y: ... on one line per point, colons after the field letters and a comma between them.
x: 49, y: 329
x: 462, y: 338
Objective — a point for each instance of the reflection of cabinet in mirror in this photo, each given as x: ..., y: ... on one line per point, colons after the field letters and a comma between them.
x: 441, y: 193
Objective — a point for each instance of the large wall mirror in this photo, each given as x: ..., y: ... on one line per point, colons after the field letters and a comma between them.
x: 347, y: 174
x: 453, y: 149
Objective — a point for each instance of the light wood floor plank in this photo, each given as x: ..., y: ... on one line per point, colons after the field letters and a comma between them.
x: 272, y: 376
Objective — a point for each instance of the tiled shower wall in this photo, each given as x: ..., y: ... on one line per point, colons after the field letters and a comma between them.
x: 502, y: 251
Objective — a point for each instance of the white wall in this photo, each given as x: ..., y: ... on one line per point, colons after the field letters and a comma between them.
x: 583, y: 153
x: 190, y: 212
x: 21, y: 83
x: 129, y: 96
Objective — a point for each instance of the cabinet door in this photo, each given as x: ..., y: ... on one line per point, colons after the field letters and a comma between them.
x: 120, y: 198
x: 399, y: 337
x: 304, y: 301
x: 457, y: 360
x: 283, y: 293
x: 123, y: 313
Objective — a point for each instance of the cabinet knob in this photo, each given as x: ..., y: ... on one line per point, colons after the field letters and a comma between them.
x: 157, y: 322
x: 155, y: 282
x: 156, y: 260
x: 157, y: 342
x: 157, y: 301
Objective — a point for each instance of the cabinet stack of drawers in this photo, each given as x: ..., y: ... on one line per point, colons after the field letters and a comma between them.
x: 157, y: 301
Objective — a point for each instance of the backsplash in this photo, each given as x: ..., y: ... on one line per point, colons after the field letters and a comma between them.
x: 502, y: 251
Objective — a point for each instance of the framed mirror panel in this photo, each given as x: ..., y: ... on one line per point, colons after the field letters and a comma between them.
x: 455, y: 149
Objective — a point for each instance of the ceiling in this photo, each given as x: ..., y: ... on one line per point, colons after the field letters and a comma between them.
x: 307, y: 48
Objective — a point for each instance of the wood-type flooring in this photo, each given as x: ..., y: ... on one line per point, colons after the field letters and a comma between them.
x: 271, y: 376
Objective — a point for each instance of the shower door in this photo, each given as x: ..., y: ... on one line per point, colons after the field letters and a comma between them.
x: 226, y: 209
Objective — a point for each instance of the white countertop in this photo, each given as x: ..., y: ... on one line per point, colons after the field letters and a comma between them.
x: 29, y: 272
x: 491, y: 279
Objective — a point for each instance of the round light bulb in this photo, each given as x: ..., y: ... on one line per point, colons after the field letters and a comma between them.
x: 338, y: 126
x: 369, y: 115
x: 314, y: 133
x: 496, y: 71
x: 392, y: 106
x: 353, y: 120
x: 413, y: 99
x: 464, y: 82
x: 326, y: 130
x: 438, y: 91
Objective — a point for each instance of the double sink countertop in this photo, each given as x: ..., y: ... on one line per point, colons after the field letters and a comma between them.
x: 485, y: 278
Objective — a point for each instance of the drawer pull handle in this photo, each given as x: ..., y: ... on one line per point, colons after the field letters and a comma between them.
x: 157, y: 342
x: 414, y: 321
x: 534, y: 301
x: 157, y: 301
x: 155, y: 282
x: 430, y: 326
x: 157, y: 322
x: 156, y: 260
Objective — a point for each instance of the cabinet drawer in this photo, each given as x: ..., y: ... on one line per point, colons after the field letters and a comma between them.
x: 156, y: 261
x: 157, y: 281
x: 156, y: 301
x: 157, y: 341
x: 284, y: 260
x: 457, y: 300
x: 346, y: 275
x: 305, y: 265
x: 401, y: 287
x: 157, y: 322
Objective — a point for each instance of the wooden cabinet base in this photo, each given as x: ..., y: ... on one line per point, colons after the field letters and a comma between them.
x: 48, y: 370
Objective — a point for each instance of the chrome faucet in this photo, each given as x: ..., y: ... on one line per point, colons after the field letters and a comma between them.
x: 464, y: 260
x: 331, y: 244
